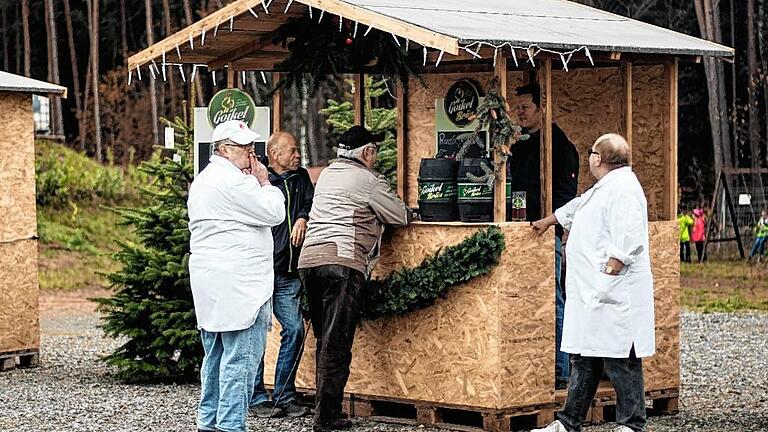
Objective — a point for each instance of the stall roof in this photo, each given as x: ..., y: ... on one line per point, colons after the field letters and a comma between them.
x: 446, y: 25
x: 16, y: 83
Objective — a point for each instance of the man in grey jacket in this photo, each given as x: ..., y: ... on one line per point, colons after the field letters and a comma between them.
x: 351, y: 205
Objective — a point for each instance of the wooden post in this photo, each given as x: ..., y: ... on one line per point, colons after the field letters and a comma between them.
x: 277, y: 104
x: 230, y: 76
x: 500, y: 184
x: 670, y: 140
x: 402, y: 141
x: 545, y: 83
x: 358, y: 98
x: 627, y: 74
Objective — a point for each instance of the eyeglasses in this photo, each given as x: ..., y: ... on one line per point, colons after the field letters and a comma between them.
x: 590, y: 152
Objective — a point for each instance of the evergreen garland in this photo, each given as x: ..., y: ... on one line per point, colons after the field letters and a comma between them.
x: 152, y: 302
x: 318, y: 50
x: 409, y: 289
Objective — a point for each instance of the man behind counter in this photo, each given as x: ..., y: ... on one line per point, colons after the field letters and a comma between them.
x: 524, y: 172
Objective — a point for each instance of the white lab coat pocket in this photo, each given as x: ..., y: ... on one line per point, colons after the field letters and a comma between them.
x: 611, y: 290
x: 609, y: 320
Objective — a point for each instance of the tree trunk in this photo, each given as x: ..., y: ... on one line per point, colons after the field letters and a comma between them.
x: 123, y: 33
x: 73, y: 61
x: 152, y: 89
x: 754, y: 105
x: 25, y: 37
x: 95, y: 78
x: 171, y: 79
x: 4, y: 12
x: 53, y: 68
x: 709, y: 25
x: 18, y: 43
x: 198, y: 87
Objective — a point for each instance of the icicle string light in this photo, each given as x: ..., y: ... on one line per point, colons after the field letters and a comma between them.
x: 253, y: 12
x: 130, y: 75
x: 288, y: 6
x: 531, y: 50
x: 264, y: 77
x: 368, y: 31
x: 354, y: 32
x: 202, y: 38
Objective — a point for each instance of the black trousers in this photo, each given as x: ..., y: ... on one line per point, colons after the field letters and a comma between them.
x: 700, y: 251
x: 335, y: 296
x: 685, y: 251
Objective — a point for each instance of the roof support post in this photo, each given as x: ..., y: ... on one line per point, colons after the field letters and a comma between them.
x: 547, y: 102
x: 277, y: 104
x: 402, y: 140
x: 670, y: 140
x: 358, y: 98
x: 230, y: 76
x: 500, y: 184
x: 626, y: 72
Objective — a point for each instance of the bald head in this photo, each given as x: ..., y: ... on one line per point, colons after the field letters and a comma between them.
x: 283, y: 152
x: 614, y: 149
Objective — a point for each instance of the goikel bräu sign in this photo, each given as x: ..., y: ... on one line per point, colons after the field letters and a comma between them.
x: 231, y: 104
x: 461, y: 102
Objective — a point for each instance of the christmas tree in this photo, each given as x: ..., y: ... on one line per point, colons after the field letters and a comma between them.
x: 151, y: 306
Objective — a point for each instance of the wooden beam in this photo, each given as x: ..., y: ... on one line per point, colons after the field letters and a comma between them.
x: 230, y: 76
x: 358, y: 98
x: 402, y: 140
x: 259, y: 62
x: 670, y: 140
x: 351, y: 12
x: 500, y: 184
x: 277, y: 104
x: 241, y: 51
x: 627, y: 76
x: 547, y: 102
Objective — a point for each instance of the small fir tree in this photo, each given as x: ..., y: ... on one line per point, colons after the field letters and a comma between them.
x: 151, y: 307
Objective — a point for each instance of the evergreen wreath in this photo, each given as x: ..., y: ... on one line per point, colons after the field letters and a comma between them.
x: 409, y: 289
x: 318, y: 50
x: 493, y: 111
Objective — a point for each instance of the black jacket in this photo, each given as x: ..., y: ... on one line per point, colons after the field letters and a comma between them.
x: 524, y: 171
x: 298, y: 191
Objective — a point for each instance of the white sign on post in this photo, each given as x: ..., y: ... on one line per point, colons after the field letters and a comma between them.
x: 204, y: 145
x: 169, y: 138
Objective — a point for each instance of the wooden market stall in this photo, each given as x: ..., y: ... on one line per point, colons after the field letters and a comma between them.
x: 486, y: 352
x: 19, y: 313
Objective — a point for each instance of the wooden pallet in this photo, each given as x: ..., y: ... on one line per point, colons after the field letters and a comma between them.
x: 464, y: 418
x: 19, y: 359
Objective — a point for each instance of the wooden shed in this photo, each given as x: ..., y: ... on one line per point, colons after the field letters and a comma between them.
x: 484, y: 356
x: 19, y: 313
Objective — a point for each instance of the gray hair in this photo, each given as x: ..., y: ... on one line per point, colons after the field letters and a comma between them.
x: 225, y: 141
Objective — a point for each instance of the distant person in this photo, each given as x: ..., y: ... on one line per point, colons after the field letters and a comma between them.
x: 352, y: 204
x: 761, y: 237
x: 698, y: 234
x: 524, y: 173
x: 609, y: 315
x: 293, y: 181
x: 684, y: 223
x: 232, y: 208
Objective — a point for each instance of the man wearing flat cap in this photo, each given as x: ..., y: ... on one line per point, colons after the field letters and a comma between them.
x: 232, y: 207
x: 352, y: 203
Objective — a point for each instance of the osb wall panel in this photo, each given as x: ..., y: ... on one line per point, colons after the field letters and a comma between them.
x: 421, y: 117
x: 648, y: 134
x: 587, y: 104
x: 662, y: 371
x: 17, y: 167
x: 450, y: 352
x: 19, y: 315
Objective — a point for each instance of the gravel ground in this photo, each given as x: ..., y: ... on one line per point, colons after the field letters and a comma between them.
x: 724, y: 384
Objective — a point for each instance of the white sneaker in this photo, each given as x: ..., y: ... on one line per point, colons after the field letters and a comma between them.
x: 555, y: 426
x: 622, y: 429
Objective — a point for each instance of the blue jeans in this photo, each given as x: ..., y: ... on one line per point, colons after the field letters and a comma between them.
x: 625, y: 374
x: 227, y: 374
x: 562, y: 365
x: 286, y: 302
x: 758, y: 248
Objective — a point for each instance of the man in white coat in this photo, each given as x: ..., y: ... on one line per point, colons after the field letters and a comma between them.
x: 609, y: 321
x: 232, y: 207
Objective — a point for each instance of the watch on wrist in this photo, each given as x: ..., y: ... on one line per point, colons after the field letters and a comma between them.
x: 609, y: 270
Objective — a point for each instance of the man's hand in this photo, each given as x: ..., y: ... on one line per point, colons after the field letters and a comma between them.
x: 299, y: 229
x: 616, y: 265
x: 540, y: 226
x: 258, y: 170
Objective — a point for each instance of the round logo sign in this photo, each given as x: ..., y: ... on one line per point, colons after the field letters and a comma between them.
x: 231, y: 104
x: 461, y: 102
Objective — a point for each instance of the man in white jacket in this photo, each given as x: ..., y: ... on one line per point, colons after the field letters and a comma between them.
x: 232, y: 207
x: 609, y: 320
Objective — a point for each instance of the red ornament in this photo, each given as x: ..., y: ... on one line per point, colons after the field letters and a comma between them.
x: 348, y: 41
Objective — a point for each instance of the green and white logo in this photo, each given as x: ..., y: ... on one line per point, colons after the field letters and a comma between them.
x: 436, y: 191
x: 474, y: 190
x: 231, y: 104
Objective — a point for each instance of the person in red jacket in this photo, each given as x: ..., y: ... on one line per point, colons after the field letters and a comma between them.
x: 698, y: 235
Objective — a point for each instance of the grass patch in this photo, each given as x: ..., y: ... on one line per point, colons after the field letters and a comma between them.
x: 724, y: 286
